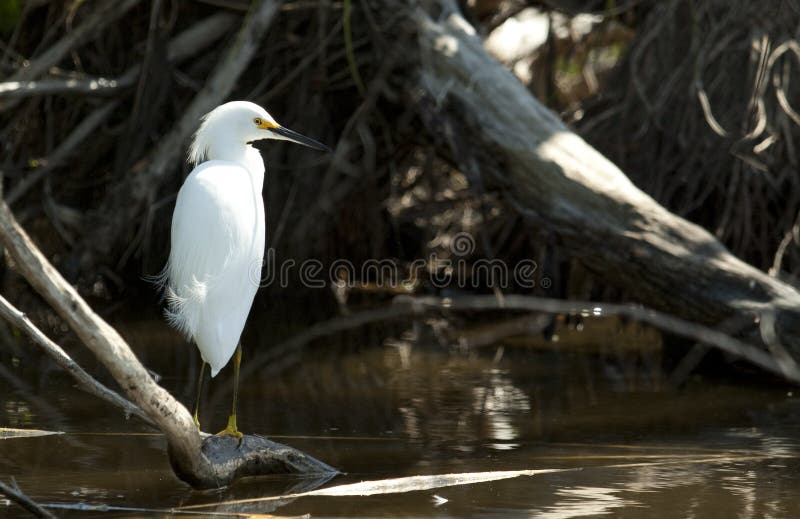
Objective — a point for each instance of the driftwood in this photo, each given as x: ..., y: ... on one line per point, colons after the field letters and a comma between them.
x: 558, y: 182
x: 187, y: 450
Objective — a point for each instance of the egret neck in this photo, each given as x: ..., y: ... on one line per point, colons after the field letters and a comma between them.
x: 245, y: 155
x: 217, y: 144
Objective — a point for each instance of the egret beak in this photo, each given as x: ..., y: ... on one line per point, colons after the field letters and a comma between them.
x: 289, y: 135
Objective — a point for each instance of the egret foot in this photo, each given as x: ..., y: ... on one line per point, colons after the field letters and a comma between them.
x: 231, y: 429
x: 196, y: 420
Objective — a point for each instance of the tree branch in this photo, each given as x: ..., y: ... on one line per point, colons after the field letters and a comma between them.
x: 16, y: 495
x: 404, y: 307
x: 181, y: 47
x: 106, y: 13
x: 555, y: 180
x: 87, y: 86
x: 185, y: 446
x: 85, y: 381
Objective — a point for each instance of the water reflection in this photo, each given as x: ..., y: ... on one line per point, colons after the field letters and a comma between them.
x: 440, y: 408
x: 708, y: 449
x: 19, y: 414
x: 583, y: 501
x: 499, y: 402
x: 725, y: 483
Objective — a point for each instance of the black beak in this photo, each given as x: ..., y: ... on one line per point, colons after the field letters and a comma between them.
x: 289, y: 135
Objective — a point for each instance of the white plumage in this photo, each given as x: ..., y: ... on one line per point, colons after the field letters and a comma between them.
x: 214, y: 265
x: 215, y: 262
x: 218, y: 233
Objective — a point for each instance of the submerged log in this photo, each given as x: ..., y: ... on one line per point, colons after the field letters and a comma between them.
x: 252, y: 456
x: 555, y: 180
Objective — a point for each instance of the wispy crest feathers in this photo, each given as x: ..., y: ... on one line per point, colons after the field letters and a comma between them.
x: 214, y: 131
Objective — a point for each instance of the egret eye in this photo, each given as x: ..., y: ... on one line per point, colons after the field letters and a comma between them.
x: 258, y: 121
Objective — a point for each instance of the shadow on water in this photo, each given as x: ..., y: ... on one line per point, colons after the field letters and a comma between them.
x: 639, y: 446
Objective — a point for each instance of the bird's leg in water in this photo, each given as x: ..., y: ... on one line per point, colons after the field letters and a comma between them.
x: 199, y: 390
x: 231, y: 429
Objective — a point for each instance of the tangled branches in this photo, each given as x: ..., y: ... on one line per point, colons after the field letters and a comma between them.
x: 701, y: 116
x: 95, y: 119
x: 94, y: 96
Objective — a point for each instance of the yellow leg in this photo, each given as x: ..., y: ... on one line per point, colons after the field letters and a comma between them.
x: 199, y: 390
x: 231, y: 429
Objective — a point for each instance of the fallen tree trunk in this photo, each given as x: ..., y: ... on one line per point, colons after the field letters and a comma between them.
x: 557, y: 181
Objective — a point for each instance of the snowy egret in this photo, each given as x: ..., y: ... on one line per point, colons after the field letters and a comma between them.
x: 218, y: 230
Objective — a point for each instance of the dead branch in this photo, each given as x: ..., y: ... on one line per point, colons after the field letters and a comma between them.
x: 405, y: 307
x: 105, y: 14
x: 16, y: 495
x: 85, y: 381
x: 183, y: 46
x: 186, y: 449
x: 86, y: 86
x: 170, y: 416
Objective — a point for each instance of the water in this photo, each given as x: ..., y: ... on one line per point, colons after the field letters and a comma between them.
x: 637, y: 446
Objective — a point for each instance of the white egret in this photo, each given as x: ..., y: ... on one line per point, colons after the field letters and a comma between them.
x: 218, y: 235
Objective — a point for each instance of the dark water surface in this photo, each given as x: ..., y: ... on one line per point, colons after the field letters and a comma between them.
x: 640, y: 447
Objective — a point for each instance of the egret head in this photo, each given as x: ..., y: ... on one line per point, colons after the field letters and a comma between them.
x: 240, y: 123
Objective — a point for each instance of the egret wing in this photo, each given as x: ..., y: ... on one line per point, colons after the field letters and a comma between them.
x: 217, y: 245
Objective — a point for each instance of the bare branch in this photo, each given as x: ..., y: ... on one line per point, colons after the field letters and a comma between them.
x: 86, y: 86
x: 783, y: 367
x: 107, y: 12
x: 183, y: 46
x: 211, y: 463
x: 16, y: 495
x: 85, y: 381
x: 404, y: 307
x: 170, y: 416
